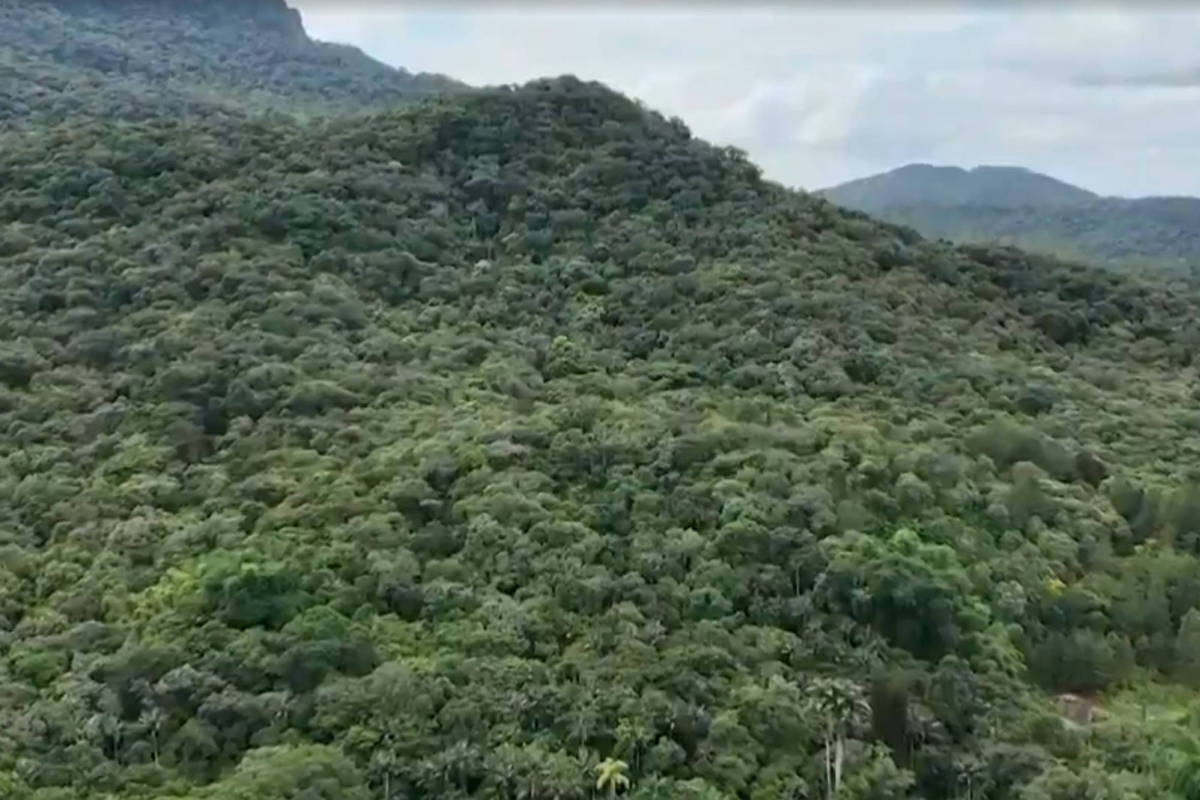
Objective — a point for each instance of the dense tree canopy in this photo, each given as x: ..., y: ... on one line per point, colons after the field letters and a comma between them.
x: 138, y: 59
x: 517, y: 444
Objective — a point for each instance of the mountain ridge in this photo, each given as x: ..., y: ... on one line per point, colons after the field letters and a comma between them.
x: 985, y: 184
x: 138, y: 60
x: 1012, y: 205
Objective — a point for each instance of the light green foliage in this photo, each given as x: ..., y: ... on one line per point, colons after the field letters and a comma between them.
x: 915, y: 593
x: 1187, y: 649
x: 1089, y: 783
x: 876, y: 777
x: 449, y: 451
x: 305, y: 772
x: 611, y: 777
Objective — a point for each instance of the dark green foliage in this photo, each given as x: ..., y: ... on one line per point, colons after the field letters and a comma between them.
x: 1187, y: 649
x: 460, y: 449
x: 915, y: 594
x: 141, y: 59
x: 1082, y: 661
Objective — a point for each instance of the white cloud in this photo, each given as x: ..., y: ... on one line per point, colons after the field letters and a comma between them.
x: 370, y: 26
x: 819, y: 95
x: 1099, y: 42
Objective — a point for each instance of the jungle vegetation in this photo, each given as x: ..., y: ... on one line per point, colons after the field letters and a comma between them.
x: 514, y: 443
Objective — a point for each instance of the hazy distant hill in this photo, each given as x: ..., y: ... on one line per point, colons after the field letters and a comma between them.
x: 137, y: 59
x: 952, y: 186
x: 1016, y: 206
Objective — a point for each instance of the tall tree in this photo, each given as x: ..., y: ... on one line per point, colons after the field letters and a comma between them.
x: 840, y: 705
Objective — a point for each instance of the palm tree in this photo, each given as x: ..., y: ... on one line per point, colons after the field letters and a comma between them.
x: 584, y: 721
x: 1186, y: 779
x: 634, y: 734
x: 839, y: 703
x: 153, y: 719
x: 970, y: 770
x: 610, y: 774
x: 655, y: 787
x: 384, y: 763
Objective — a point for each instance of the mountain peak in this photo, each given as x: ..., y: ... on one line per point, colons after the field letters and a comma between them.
x: 923, y: 167
x: 265, y: 15
x: 1016, y: 205
x: 179, y: 57
x: 988, y: 185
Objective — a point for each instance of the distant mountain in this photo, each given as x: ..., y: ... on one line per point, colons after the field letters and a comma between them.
x: 1012, y: 205
x: 952, y: 186
x: 138, y: 59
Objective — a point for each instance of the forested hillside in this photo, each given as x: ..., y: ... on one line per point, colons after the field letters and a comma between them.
x: 998, y: 205
x: 516, y: 444
x: 137, y: 59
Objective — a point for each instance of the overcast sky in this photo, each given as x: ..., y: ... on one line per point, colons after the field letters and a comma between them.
x: 1107, y: 97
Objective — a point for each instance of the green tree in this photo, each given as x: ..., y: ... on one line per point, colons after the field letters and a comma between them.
x: 1187, y: 649
x: 290, y: 772
x: 876, y: 777
x: 611, y: 776
x: 1185, y: 777
x: 840, y: 705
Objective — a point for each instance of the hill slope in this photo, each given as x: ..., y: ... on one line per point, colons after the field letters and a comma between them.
x: 137, y: 58
x: 447, y: 452
x: 926, y: 184
x: 1015, y: 206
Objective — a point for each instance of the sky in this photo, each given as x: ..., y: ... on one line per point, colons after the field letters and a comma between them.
x: 1105, y: 97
